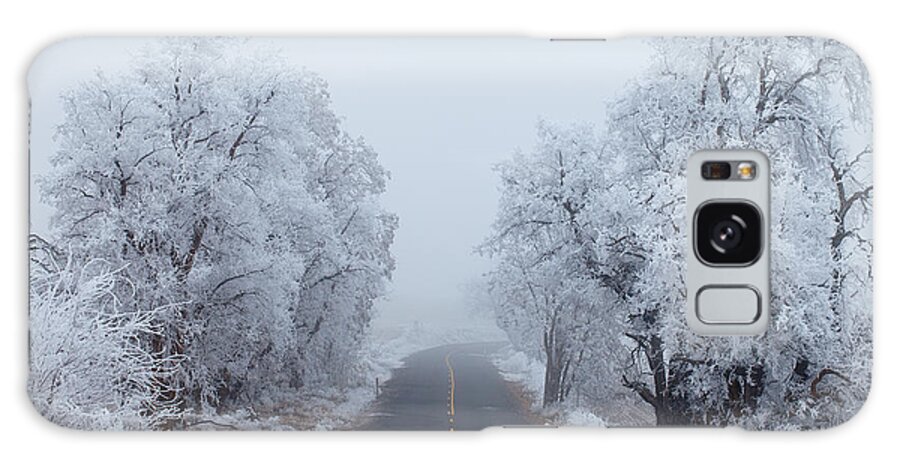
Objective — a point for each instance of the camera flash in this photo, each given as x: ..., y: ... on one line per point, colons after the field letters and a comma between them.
x: 746, y: 170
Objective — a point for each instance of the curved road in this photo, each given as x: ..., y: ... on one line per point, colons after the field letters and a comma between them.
x: 451, y: 387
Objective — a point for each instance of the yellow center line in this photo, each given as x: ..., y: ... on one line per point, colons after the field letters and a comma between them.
x: 452, y: 386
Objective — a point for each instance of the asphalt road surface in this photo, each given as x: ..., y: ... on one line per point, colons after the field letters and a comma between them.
x: 451, y: 387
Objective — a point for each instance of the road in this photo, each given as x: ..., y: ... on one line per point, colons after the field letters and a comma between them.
x: 451, y: 387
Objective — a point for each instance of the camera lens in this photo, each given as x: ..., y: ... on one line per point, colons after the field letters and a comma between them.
x: 728, y: 233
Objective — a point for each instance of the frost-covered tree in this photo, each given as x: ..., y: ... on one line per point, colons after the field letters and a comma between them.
x: 793, y: 99
x: 550, y: 283
x: 88, y: 367
x: 778, y: 96
x: 218, y: 178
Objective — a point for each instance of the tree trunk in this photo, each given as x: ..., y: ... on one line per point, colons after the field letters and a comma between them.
x: 670, y: 409
x: 556, y: 369
x: 745, y: 386
x: 669, y: 415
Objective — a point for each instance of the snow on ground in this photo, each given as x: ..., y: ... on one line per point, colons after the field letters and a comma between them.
x: 333, y: 409
x: 244, y: 419
x: 341, y: 408
x: 517, y: 367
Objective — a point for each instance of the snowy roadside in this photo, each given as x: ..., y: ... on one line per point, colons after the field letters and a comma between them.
x: 516, y: 366
x: 528, y: 373
x: 341, y: 409
x: 331, y: 409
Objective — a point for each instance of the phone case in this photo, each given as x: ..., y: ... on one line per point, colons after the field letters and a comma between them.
x: 435, y: 234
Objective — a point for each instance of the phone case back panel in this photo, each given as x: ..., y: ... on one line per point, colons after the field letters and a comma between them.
x: 435, y: 234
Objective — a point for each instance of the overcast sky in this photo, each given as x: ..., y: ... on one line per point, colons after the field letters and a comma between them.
x: 440, y: 113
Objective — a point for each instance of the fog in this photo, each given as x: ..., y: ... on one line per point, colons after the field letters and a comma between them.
x: 440, y: 113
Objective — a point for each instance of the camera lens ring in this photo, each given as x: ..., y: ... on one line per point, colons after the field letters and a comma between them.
x: 743, y: 243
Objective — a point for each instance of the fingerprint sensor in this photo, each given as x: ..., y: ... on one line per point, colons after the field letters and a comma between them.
x: 724, y: 304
